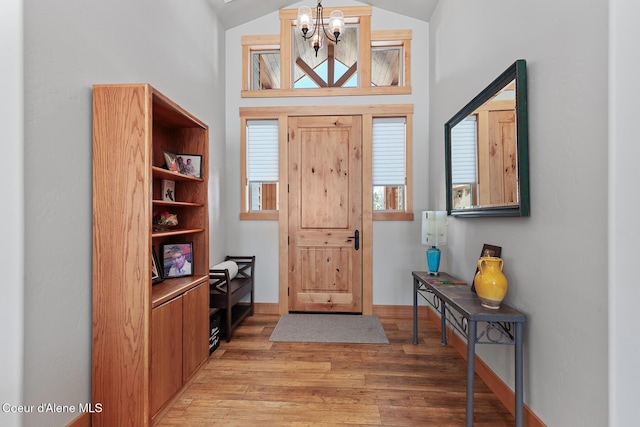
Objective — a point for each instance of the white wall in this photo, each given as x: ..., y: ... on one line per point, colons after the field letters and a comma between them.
x: 12, y: 212
x: 69, y: 46
x: 624, y: 232
x: 556, y: 259
x: 397, y: 247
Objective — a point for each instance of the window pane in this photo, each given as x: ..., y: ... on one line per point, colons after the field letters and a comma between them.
x: 262, y: 150
x: 334, y: 66
x: 464, y: 141
x: 265, y: 70
x: 262, y: 165
x: 464, y: 196
x: 389, y: 149
x: 388, y: 198
x: 263, y: 196
x: 386, y: 66
x: 389, y: 163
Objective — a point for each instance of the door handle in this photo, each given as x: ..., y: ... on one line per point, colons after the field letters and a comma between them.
x: 356, y: 237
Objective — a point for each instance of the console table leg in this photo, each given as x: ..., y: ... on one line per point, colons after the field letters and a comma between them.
x: 415, y: 310
x: 443, y: 322
x: 518, y: 379
x: 471, y: 362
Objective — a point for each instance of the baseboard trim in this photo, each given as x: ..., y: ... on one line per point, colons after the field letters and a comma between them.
x: 388, y: 311
x: 397, y: 311
x: 266, y: 308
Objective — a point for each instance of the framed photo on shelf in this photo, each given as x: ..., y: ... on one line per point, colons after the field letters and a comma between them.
x: 190, y: 164
x: 156, y: 272
x: 177, y: 259
x: 487, y: 250
x: 171, y: 161
x: 168, y: 190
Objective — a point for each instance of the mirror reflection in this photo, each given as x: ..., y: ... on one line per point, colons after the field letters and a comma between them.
x: 484, y: 154
x: 486, y: 150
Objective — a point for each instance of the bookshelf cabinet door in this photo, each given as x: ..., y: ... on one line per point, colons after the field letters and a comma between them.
x: 166, y: 352
x: 195, y: 329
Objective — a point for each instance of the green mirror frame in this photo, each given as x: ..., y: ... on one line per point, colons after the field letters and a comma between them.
x: 515, y: 73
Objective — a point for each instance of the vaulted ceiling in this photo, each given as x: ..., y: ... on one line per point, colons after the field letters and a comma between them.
x: 236, y: 12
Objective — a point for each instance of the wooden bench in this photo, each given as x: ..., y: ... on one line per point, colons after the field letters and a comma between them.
x: 231, y: 293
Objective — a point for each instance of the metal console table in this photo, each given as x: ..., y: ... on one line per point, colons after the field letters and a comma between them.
x: 503, y: 326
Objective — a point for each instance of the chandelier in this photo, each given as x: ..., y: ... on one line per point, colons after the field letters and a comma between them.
x: 316, y: 31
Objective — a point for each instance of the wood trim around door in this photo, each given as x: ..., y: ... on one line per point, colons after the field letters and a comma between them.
x: 367, y: 224
x: 367, y: 112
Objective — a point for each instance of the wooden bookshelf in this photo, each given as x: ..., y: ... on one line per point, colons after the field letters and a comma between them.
x: 148, y: 340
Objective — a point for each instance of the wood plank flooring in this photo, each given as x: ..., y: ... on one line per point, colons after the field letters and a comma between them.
x: 253, y: 382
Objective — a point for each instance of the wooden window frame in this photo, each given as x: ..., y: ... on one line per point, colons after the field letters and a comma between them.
x: 250, y: 45
x: 368, y: 39
x: 282, y: 114
x: 394, y: 38
x: 407, y: 213
x: 245, y: 210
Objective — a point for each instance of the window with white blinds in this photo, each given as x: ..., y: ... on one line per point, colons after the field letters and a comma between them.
x: 389, y: 147
x: 388, y: 176
x: 262, y: 150
x: 463, y: 149
x: 389, y: 153
x: 262, y: 165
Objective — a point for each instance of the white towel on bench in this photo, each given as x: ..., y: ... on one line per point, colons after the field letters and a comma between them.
x: 230, y: 266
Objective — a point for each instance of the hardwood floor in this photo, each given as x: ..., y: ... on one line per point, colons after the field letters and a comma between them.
x: 251, y: 381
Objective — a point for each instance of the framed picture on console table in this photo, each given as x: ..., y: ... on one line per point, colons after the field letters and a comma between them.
x: 487, y: 250
x: 177, y: 260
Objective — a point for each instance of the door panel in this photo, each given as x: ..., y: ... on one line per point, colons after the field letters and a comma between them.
x: 166, y: 352
x: 497, y: 174
x: 323, y: 178
x: 195, y: 329
x: 325, y: 210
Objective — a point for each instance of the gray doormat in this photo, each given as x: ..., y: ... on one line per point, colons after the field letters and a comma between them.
x: 330, y: 328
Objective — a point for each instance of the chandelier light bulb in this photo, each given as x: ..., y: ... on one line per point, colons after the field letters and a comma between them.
x: 336, y: 23
x: 305, y: 20
x: 312, y: 29
x: 317, y: 42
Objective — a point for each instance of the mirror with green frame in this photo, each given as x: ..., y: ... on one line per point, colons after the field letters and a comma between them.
x: 486, y: 150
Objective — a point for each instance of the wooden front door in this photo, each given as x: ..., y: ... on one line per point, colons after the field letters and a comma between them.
x: 497, y: 171
x: 325, y: 214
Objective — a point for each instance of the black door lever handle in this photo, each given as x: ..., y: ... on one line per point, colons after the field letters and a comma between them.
x: 356, y: 237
